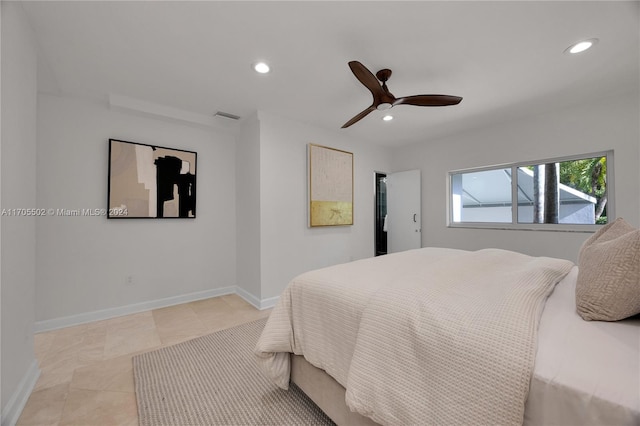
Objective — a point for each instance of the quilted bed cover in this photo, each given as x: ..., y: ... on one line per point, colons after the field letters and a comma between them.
x: 427, y: 336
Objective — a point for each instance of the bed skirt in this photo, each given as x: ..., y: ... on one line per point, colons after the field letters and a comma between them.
x: 325, y: 392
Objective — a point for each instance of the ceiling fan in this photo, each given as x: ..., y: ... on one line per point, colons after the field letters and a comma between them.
x: 383, y: 99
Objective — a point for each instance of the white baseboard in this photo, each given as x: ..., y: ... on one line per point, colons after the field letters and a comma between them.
x: 248, y: 297
x: 269, y: 303
x: 11, y: 412
x: 253, y: 300
x: 56, y: 323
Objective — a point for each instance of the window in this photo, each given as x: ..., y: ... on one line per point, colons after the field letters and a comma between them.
x: 569, y: 194
x: 482, y: 196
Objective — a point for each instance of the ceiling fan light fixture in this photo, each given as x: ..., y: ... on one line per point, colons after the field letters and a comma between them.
x: 581, y: 46
x: 384, y: 100
x: 261, y: 67
x: 387, y: 118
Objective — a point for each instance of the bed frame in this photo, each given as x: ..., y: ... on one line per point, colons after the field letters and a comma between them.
x: 325, y: 392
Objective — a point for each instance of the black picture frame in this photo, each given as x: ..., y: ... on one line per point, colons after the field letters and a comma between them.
x: 150, y: 181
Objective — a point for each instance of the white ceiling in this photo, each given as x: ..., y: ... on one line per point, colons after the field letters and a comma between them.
x: 504, y: 58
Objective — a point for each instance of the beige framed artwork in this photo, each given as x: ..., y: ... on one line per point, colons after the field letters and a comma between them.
x: 150, y: 181
x: 330, y: 186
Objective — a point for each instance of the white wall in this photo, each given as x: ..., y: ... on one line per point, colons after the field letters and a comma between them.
x: 288, y: 246
x: 248, y: 209
x: 82, y: 262
x: 1, y: 401
x: 18, y: 177
x: 607, y: 124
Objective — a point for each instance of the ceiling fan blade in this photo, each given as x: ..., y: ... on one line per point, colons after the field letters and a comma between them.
x: 428, y: 100
x: 366, y: 78
x: 359, y: 116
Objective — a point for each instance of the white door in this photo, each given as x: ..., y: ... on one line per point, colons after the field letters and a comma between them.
x: 404, y: 226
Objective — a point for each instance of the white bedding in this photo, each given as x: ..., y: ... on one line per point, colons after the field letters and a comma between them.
x: 586, y: 372
x: 325, y: 326
x: 452, y: 344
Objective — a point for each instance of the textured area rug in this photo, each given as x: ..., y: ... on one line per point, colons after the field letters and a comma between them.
x: 215, y: 380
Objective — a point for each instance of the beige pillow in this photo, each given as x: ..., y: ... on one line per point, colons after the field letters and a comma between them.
x: 608, y: 286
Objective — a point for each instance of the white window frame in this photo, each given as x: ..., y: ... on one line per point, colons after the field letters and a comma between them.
x: 514, y: 225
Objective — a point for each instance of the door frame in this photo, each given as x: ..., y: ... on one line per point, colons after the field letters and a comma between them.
x: 376, y: 174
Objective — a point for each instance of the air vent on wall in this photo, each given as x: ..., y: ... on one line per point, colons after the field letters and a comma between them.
x: 226, y: 115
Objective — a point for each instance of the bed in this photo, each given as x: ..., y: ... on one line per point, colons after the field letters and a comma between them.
x: 328, y: 335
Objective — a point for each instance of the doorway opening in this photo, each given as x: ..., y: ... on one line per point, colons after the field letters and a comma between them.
x: 381, y: 213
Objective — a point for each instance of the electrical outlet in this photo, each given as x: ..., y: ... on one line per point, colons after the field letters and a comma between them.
x: 128, y: 280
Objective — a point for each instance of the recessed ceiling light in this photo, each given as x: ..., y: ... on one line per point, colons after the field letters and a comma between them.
x: 261, y: 67
x: 581, y: 46
x: 387, y: 117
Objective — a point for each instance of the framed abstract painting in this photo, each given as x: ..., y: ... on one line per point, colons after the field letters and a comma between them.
x: 330, y: 186
x: 148, y: 181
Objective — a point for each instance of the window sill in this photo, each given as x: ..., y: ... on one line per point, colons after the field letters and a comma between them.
x: 548, y: 227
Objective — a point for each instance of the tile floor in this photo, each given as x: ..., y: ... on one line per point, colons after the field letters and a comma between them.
x: 86, y: 370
